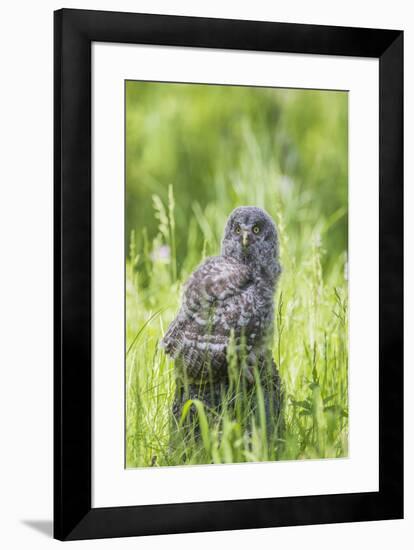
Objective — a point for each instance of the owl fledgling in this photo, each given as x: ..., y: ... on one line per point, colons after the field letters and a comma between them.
x: 228, y: 301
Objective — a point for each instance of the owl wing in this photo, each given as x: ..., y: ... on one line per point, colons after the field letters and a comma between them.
x: 213, y: 305
x: 212, y: 285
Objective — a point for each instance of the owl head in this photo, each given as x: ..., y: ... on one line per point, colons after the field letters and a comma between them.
x: 250, y: 236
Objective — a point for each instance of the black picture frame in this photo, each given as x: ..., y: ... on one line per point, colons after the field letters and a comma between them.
x: 74, y: 32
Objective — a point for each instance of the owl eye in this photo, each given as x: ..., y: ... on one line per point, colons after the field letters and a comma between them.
x: 256, y: 229
x: 238, y: 229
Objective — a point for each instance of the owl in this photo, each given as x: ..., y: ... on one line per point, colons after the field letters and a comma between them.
x: 227, y: 303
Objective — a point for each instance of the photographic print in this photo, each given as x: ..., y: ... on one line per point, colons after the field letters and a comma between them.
x: 236, y: 278
x: 207, y: 203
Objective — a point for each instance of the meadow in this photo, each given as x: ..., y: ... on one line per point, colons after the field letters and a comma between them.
x: 193, y: 154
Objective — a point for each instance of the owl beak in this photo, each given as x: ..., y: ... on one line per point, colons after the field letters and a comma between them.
x: 245, y: 241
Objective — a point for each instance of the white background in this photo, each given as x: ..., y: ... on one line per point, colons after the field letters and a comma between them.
x: 26, y: 271
x: 112, y: 484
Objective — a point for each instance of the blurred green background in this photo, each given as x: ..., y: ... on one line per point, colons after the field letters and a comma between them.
x: 193, y: 154
x: 212, y: 143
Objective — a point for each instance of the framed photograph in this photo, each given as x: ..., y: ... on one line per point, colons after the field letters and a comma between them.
x: 228, y: 274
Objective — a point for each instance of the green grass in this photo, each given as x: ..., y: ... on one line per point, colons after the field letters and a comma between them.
x: 187, y: 168
x: 309, y: 346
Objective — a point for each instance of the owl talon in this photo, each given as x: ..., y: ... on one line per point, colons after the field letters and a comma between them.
x: 251, y: 362
x: 249, y: 374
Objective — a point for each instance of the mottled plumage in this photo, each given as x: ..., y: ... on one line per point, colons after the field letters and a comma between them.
x: 229, y: 298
